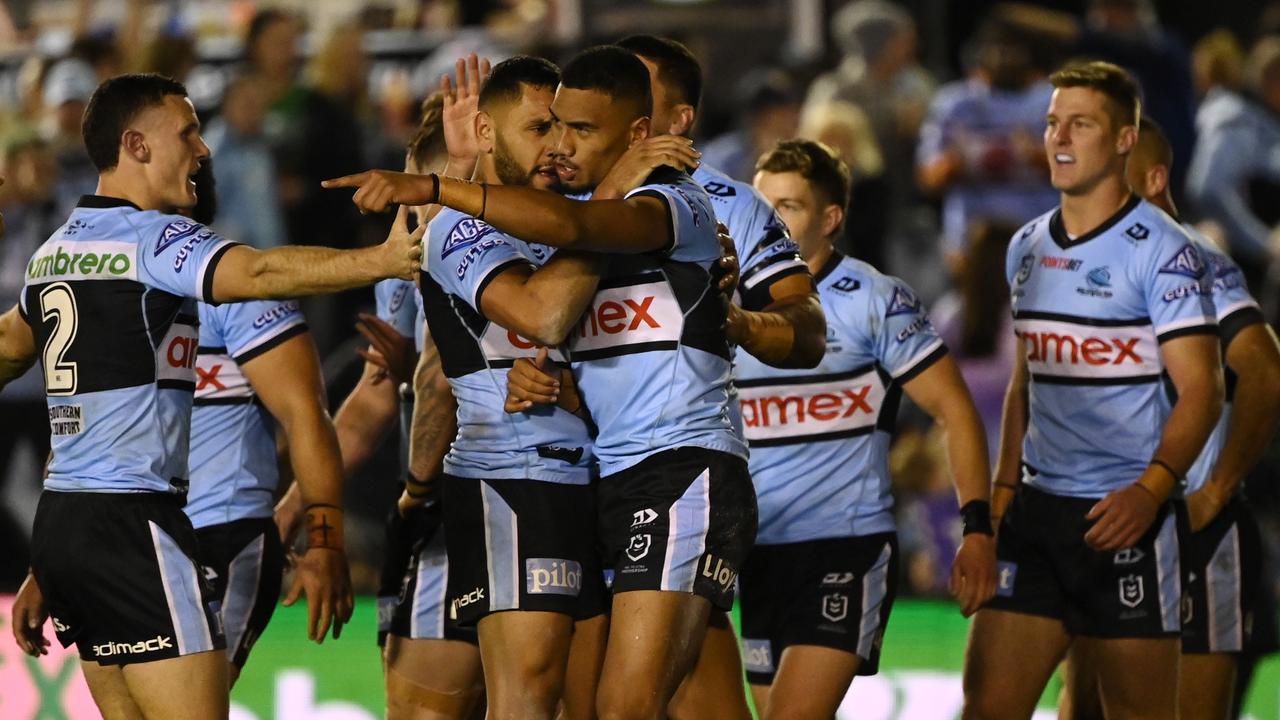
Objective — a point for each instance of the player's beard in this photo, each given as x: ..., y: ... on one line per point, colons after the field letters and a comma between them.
x: 509, y: 171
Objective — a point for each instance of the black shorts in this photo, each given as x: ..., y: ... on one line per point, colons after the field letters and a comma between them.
x: 1221, y: 575
x: 520, y: 545
x: 419, y: 609
x: 1046, y: 569
x: 244, y: 561
x: 403, y: 535
x: 120, y: 578
x: 834, y: 593
x: 681, y: 520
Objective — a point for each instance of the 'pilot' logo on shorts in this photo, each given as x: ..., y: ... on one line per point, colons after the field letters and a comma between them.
x: 757, y: 655
x: 552, y: 575
x: 639, y: 546
x: 1131, y: 593
x: 835, y: 607
x: 156, y: 643
x: 1006, y: 573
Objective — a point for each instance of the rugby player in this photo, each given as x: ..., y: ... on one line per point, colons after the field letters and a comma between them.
x: 1221, y: 553
x: 111, y: 299
x: 676, y: 508
x: 1108, y: 307
x: 818, y: 587
x: 776, y: 317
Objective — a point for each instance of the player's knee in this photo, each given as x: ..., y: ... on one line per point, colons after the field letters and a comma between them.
x: 628, y: 701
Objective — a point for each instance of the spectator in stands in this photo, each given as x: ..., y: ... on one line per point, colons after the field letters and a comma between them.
x: 847, y: 130
x: 1217, y: 61
x: 769, y: 109
x: 879, y: 72
x: 980, y: 147
x: 246, y: 172
x: 66, y: 91
x: 1234, y: 178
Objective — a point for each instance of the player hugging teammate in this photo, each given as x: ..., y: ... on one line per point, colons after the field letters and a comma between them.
x: 639, y: 388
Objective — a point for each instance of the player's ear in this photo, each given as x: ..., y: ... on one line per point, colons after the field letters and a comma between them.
x: 639, y: 130
x: 832, y: 218
x: 484, y: 131
x: 133, y: 143
x: 682, y: 121
x: 1157, y: 180
x: 1126, y: 139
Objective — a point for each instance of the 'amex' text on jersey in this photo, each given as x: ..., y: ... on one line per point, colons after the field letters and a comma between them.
x: 632, y: 318
x: 1068, y: 351
x: 807, y: 409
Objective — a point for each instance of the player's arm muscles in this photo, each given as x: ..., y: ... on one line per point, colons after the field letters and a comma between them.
x: 288, y: 381
x: 244, y: 273
x: 1194, y: 365
x: 1013, y: 428
x: 543, y: 304
x: 940, y: 391
x: 791, y: 332
x: 17, y: 346
x: 365, y: 417
x: 435, y: 414
x: 1254, y: 355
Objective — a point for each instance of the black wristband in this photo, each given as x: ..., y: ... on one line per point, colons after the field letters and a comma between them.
x: 975, y: 517
x: 1168, y: 468
x: 417, y: 489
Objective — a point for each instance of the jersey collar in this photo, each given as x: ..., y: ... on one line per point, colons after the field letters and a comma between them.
x: 102, y: 202
x: 1059, y: 233
x: 828, y: 267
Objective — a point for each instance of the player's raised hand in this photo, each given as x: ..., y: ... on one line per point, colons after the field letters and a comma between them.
x: 641, y: 159
x: 377, y: 190
x: 1121, y: 518
x: 389, y: 350
x: 532, y: 382
x: 461, y: 103
x: 973, y: 572
x: 28, y: 618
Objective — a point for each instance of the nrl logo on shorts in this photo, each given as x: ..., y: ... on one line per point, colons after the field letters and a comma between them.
x: 835, y: 607
x: 1131, y: 593
x: 639, y: 546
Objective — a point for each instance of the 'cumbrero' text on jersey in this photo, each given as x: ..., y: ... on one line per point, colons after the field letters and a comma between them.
x: 649, y: 355
x: 233, y: 444
x: 1236, y: 310
x: 820, y: 438
x: 110, y: 298
x: 1092, y: 312
x: 545, y: 443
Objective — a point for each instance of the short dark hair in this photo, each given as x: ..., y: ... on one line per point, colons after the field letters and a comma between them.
x: 613, y: 71
x: 678, y: 69
x: 1121, y: 90
x: 428, y: 139
x: 813, y: 161
x: 504, y: 82
x: 1152, y: 135
x: 114, y: 105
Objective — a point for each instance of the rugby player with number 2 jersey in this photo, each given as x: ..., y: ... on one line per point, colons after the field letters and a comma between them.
x: 111, y: 300
x: 1110, y: 318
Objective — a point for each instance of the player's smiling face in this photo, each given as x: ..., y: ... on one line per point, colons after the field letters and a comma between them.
x: 592, y: 131
x: 798, y: 204
x: 1082, y: 141
x: 522, y: 140
x: 173, y: 150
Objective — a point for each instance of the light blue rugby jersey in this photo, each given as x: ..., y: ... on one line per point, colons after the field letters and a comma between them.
x: 1236, y: 309
x: 546, y: 443
x: 649, y: 354
x: 1092, y: 312
x: 233, y: 444
x: 111, y: 299
x: 820, y: 438
x: 400, y: 304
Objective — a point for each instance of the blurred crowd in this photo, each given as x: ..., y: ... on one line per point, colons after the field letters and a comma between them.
x: 947, y: 161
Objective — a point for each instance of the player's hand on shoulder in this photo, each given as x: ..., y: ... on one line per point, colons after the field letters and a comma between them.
x: 973, y: 573
x: 1121, y: 518
x: 402, y: 250
x: 641, y: 159
x: 28, y: 619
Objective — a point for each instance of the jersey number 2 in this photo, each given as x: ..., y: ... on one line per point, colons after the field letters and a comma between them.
x: 57, y: 303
